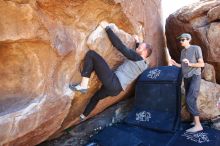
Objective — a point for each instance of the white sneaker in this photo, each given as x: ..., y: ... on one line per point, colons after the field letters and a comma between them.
x: 82, y: 117
x: 77, y: 87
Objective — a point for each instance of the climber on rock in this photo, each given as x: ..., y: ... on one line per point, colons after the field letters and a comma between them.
x: 113, y: 82
x: 191, y: 62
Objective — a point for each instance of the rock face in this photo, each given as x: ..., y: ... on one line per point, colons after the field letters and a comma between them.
x: 201, y: 20
x: 208, y: 97
x: 43, y: 43
x: 208, y: 73
x: 81, y: 134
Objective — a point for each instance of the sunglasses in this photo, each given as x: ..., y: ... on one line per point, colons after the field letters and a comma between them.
x: 182, y: 40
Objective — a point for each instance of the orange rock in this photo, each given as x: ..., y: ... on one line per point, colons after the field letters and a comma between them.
x: 208, y: 73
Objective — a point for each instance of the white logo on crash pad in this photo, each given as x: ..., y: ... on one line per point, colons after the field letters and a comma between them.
x: 153, y: 74
x: 199, y: 137
x: 143, y: 116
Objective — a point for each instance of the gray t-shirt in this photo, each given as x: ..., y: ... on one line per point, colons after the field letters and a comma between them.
x: 193, y: 53
x: 129, y: 71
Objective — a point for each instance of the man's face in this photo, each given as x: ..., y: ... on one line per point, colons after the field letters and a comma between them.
x: 141, y: 49
x: 184, y: 42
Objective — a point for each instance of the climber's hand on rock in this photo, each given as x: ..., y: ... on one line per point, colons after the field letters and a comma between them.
x: 111, y: 25
x: 136, y: 38
x: 104, y: 24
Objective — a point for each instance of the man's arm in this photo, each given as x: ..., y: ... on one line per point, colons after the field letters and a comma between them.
x: 200, y: 63
x: 173, y: 62
x: 117, y: 43
x: 199, y: 57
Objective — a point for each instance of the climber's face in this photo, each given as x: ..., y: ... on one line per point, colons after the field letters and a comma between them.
x: 142, y: 50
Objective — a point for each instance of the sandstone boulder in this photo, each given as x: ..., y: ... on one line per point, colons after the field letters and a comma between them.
x: 201, y: 20
x: 216, y: 123
x: 208, y: 73
x: 81, y: 134
x: 42, y: 46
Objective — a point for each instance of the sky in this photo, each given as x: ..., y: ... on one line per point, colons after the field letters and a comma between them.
x: 170, y: 6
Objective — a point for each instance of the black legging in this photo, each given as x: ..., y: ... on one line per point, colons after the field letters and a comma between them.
x: 110, y: 83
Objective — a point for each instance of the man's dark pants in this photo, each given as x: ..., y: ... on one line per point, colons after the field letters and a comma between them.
x: 192, y: 87
x: 110, y: 82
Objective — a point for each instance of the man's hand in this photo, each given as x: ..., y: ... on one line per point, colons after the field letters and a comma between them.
x: 200, y: 63
x: 104, y: 24
x: 136, y: 38
x: 173, y: 62
x: 186, y: 61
